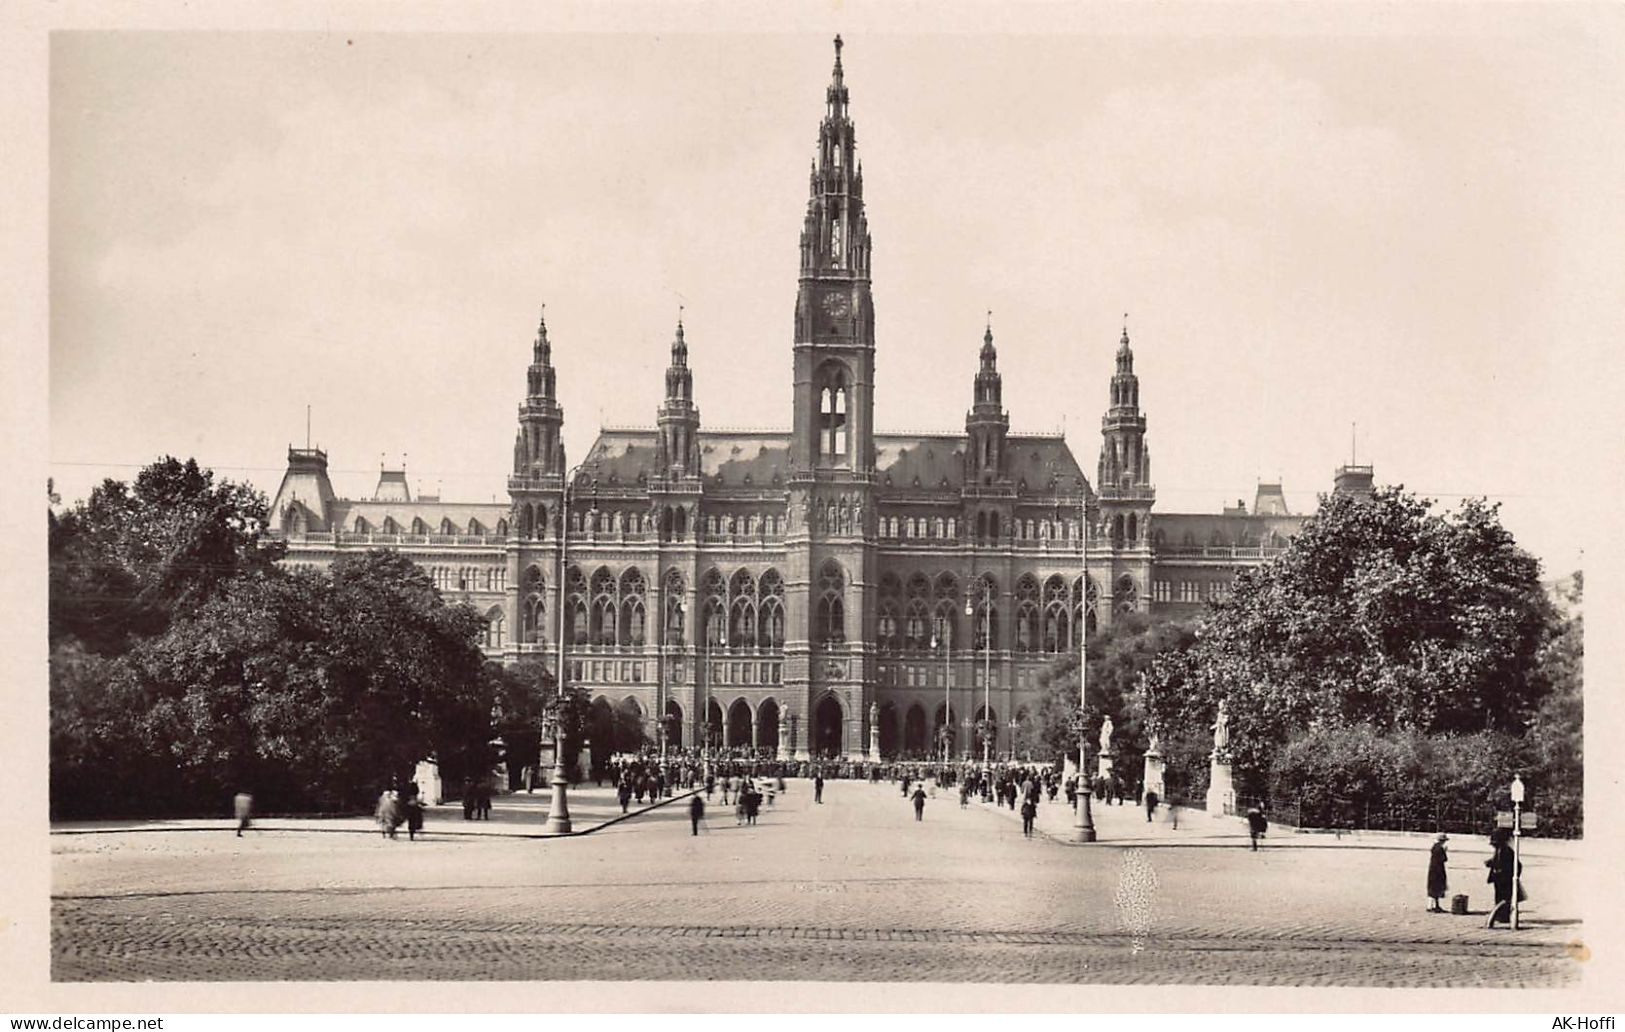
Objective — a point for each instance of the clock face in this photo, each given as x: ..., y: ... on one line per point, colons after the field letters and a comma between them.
x: 835, y: 304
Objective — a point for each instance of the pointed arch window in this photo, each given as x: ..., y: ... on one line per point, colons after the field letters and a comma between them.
x: 834, y: 418
x: 831, y: 605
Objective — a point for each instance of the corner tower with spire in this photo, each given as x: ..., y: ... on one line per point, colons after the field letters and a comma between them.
x: 678, y: 445
x: 1124, y: 486
x: 535, y: 491
x: 987, y: 423
x: 538, y: 448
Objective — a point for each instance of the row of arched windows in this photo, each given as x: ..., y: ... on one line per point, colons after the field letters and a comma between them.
x: 390, y: 525
x: 904, y: 528
x: 469, y: 578
x: 742, y: 612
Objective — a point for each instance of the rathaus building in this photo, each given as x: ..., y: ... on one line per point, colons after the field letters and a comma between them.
x: 829, y: 589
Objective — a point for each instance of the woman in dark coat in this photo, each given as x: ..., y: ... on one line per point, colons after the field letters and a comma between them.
x: 1438, y: 883
x: 1504, y: 869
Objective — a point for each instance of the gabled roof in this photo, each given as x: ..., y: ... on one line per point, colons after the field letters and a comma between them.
x: 761, y: 459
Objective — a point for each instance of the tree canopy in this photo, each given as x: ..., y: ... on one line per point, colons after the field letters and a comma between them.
x: 1382, y: 613
x: 187, y: 663
x: 132, y: 557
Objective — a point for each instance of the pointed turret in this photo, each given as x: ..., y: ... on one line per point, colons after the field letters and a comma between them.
x: 538, y: 447
x: 679, y: 421
x: 1124, y: 475
x: 987, y: 424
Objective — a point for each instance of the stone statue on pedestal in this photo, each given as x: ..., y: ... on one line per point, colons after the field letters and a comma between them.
x: 1221, y: 793
x: 1221, y: 730
x: 1106, y: 736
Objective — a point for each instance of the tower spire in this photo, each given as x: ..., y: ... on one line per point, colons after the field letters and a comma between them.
x: 987, y: 424
x: 679, y: 421
x: 538, y: 448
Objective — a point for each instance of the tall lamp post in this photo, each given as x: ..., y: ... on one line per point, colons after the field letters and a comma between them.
x: 558, y: 813
x: 987, y: 668
x: 661, y: 692
x: 1517, y: 842
x: 1085, y: 824
x: 710, y: 735
x: 939, y: 633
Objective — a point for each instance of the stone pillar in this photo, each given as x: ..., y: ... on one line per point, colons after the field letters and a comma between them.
x: 1153, y: 773
x: 874, y: 742
x: 1104, y: 765
x: 1221, y: 791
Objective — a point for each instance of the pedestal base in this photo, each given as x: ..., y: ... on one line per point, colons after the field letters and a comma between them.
x: 1103, y: 766
x: 430, y: 790
x: 1154, y: 775
x: 1221, y: 792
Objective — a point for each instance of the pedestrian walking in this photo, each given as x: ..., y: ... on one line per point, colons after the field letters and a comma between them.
x: 696, y: 811
x: 710, y: 785
x: 624, y: 794
x: 1504, y: 873
x: 1029, y: 811
x: 388, y: 813
x: 818, y: 787
x: 468, y: 799
x: 242, y: 807
x: 1256, y: 825
x: 414, y: 818
x: 482, y: 800
x: 1438, y: 882
x: 919, y: 802
x: 1151, y: 802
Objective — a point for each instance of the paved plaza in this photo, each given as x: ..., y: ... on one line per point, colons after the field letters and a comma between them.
x: 851, y: 890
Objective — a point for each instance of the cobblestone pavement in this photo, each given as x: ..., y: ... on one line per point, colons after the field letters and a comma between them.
x: 854, y: 889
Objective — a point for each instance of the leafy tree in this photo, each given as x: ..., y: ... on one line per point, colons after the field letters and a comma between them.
x: 316, y: 687
x: 131, y: 558
x: 1119, y: 657
x: 1557, y: 731
x: 1381, y: 613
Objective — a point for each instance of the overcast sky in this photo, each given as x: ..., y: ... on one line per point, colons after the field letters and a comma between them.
x: 1306, y: 231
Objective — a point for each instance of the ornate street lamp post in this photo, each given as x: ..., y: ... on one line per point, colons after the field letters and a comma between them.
x: 661, y: 692
x: 1085, y: 825
x: 987, y: 668
x: 558, y: 813
x: 939, y: 633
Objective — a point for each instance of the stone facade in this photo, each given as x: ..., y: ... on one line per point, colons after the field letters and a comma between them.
x: 775, y: 588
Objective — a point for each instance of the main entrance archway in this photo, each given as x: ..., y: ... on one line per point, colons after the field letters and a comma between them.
x: 914, y: 732
x: 767, y: 725
x: 674, y: 724
x: 888, y: 730
x: 713, y: 724
x: 739, y: 725
x: 827, y: 726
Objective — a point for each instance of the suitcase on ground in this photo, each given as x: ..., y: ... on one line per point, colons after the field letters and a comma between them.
x: 1458, y: 904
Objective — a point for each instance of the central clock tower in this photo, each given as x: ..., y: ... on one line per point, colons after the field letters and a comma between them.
x: 835, y: 316
x: 829, y: 568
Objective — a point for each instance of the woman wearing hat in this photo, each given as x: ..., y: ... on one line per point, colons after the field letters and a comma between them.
x: 1438, y: 884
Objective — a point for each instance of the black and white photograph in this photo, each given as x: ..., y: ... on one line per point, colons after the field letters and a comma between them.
x: 669, y: 503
